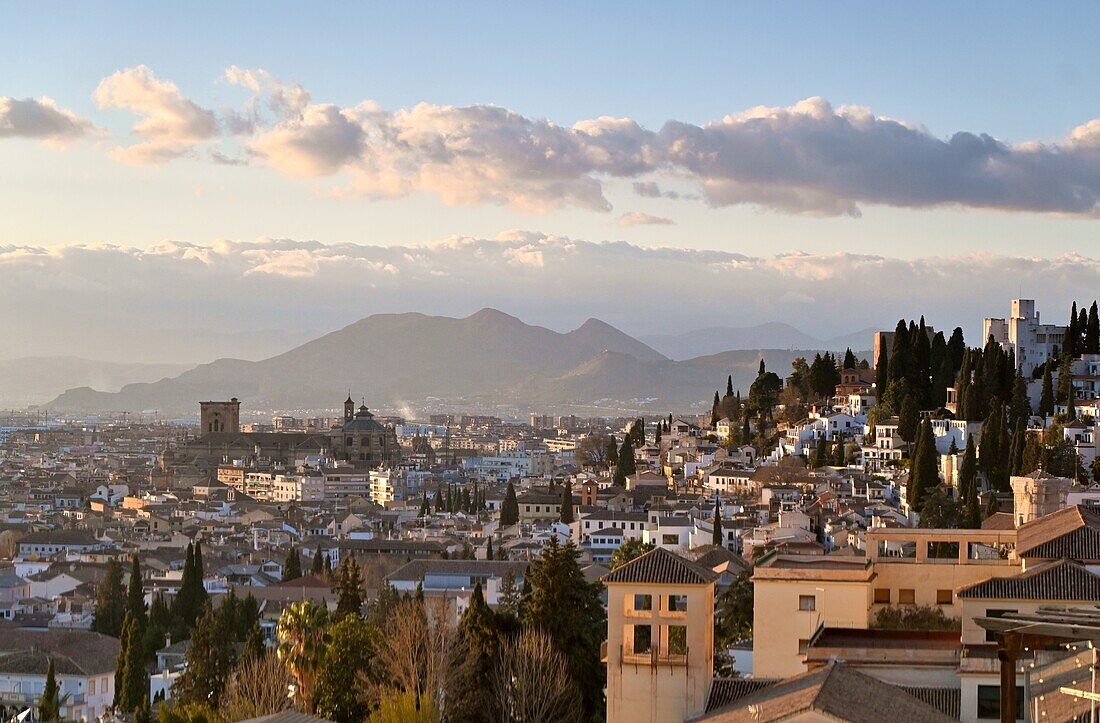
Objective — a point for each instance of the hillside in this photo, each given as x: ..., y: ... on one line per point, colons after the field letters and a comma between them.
x: 29, y: 380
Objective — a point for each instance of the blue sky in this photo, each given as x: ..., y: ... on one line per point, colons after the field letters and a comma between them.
x: 1023, y: 73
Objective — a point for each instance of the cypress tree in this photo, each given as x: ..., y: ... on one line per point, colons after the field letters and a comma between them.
x: 716, y: 532
x: 110, y: 606
x: 135, y: 676
x: 1092, y: 331
x: 425, y: 508
x: 968, y: 471
x: 135, y: 594
x: 901, y: 353
x: 1019, y: 443
x: 909, y: 419
x: 316, y: 566
x: 882, y: 372
x: 839, y: 453
x: 209, y: 661
x: 924, y: 471
x: 292, y: 568
x: 1004, y: 453
x: 987, y: 448
x: 489, y: 549
x: 1046, y: 399
x: 1069, y: 343
x: 509, y: 509
x: 849, y: 359
x: 1082, y: 329
x: 626, y: 465
x: 567, y: 504
x: 474, y: 660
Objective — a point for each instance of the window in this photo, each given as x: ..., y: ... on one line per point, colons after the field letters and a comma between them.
x: 907, y: 597
x: 677, y: 640
x: 989, y: 701
x: 807, y: 602
x: 642, y: 639
x: 670, y: 539
x: 677, y: 603
x: 643, y: 602
x: 882, y: 595
x: 944, y: 597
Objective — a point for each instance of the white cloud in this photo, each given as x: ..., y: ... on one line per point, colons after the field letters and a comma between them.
x: 637, y: 218
x: 43, y: 120
x: 171, y: 123
x: 287, y: 284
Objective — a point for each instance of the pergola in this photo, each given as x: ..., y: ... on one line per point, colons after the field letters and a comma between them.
x: 1045, y: 627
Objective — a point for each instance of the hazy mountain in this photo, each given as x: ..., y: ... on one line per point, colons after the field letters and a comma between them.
x: 773, y: 335
x: 29, y: 380
x: 419, y: 361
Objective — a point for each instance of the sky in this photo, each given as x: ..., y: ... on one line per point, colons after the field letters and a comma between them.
x: 184, y: 181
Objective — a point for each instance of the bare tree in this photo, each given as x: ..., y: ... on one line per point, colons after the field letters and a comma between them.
x: 592, y: 451
x: 531, y: 682
x: 416, y: 651
x: 258, y: 688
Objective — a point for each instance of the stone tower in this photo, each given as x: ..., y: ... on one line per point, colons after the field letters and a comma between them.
x: 349, y: 409
x: 220, y: 416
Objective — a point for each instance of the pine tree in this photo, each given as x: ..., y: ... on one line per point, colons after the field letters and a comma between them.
x: 567, y: 505
x: 509, y: 509
x: 292, y: 568
x: 567, y: 608
x: 348, y: 588
x: 716, y: 529
x: 209, y: 661
x: 49, y: 703
x: 110, y: 606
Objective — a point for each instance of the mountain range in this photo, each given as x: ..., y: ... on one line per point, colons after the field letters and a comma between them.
x: 773, y: 335
x: 29, y: 380
x: 413, y: 362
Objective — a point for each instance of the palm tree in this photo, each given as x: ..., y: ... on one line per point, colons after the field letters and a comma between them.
x: 302, y: 637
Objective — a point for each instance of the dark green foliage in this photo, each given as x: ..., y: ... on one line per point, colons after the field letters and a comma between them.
x: 49, y: 703
x: 347, y: 664
x: 733, y: 618
x: 716, y: 532
x: 909, y: 419
x: 909, y: 617
x: 939, y: 510
x: 110, y: 606
x: 628, y: 551
x: 135, y: 593
x: 1092, y: 331
x: 509, y: 509
x: 924, y: 473
x: 1070, y: 341
x: 191, y: 596
x: 473, y: 661
x: 209, y: 661
x: 568, y: 609
x: 1046, y: 399
x: 882, y: 372
x: 626, y: 465
x: 133, y: 676
x: 567, y: 504
x: 292, y: 567
x: 348, y: 588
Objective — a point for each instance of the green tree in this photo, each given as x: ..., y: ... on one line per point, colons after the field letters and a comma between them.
x: 509, y: 509
x: 110, y: 605
x: 939, y: 511
x: 628, y: 551
x: 1046, y: 399
x: 909, y: 419
x: 1092, y: 331
x: 924, y: 471
x: 348, y: 588
x: 135, y: 592
x: 209, y: 661
x: 1069, y: 343
x: 716, y: 529
x: 968, y: 470
x: 292, y: 568
x: 302, y: 640
x: 49, y: 703
x: 566, y: 514
x: 733, y: 621
x: 317, y: 564
x: 627, y: 465
x: 347, y: 664
x: 189, y: 601
x: 468, y: 697
x: 134, y: 690
x: 567, y: 608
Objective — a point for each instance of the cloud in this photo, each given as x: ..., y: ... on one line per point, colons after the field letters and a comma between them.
x: 236, y: 288
x: 810, y: 158
x: 41, y: 119
x: 637, y: 218
x: 172, y: 124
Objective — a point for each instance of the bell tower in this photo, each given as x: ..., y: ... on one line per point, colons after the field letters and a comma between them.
x: 349, y: 409
x: 220, y: 416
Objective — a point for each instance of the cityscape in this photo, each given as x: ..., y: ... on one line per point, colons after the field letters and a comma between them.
x: 633, y: 363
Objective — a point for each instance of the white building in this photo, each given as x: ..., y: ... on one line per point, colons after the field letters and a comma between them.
x: 1032, y: 342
